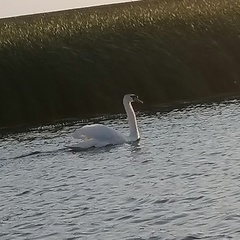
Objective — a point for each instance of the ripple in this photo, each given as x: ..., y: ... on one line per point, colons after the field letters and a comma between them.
x: 191, y: 237
x: 160, y: 201
x: 23, y: 193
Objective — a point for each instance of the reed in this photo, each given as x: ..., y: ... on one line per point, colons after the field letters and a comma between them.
x: 76, y: 62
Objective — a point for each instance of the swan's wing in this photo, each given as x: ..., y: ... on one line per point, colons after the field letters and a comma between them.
x: 100, y: 133
x: 84, y: 145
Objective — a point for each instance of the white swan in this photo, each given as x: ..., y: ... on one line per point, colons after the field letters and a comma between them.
x: 98, y: 135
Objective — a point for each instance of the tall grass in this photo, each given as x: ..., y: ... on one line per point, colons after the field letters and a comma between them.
x: 70, y: 63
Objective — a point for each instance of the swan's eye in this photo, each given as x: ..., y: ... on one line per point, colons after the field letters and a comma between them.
x: 134, y: 97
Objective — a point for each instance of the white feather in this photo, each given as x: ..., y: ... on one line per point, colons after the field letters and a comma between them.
x: 100, y: 133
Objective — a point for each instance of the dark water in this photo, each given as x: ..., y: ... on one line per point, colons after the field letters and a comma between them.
x: 182, y: 181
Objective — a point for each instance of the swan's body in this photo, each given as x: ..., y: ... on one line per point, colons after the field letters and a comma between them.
x: 98, y: 135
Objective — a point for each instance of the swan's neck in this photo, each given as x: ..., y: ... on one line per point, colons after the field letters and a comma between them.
x: 134, y: 133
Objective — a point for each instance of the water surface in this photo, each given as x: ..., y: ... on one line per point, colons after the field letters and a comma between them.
x: 181, y: 181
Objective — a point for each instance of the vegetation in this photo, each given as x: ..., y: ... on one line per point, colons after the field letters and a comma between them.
x: 66, y: 64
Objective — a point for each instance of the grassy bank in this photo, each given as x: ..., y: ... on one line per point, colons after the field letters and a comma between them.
x: 66, y: 64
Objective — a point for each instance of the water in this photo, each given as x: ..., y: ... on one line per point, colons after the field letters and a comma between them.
x: 180, y: 182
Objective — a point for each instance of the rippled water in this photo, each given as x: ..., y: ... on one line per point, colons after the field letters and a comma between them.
x: 181, y: 181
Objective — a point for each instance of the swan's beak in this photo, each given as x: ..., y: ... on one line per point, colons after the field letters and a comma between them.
x: 138, y: 100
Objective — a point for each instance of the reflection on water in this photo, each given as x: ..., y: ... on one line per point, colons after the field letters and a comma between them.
x: 181, y: 181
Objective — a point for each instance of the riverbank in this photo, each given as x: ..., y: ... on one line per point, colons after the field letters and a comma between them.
x: 76, y: 62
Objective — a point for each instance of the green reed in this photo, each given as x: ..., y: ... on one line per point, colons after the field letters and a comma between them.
x: 66, y: 64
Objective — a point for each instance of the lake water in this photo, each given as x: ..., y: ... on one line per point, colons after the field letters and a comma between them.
x: 180, y: 182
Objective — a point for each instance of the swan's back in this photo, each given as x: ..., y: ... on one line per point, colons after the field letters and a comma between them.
x: 99, y: 135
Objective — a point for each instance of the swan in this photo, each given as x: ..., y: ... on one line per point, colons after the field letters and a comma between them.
x: 98, y: 135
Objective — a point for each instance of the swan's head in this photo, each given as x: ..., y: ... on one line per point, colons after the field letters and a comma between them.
x: 131, y: 98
